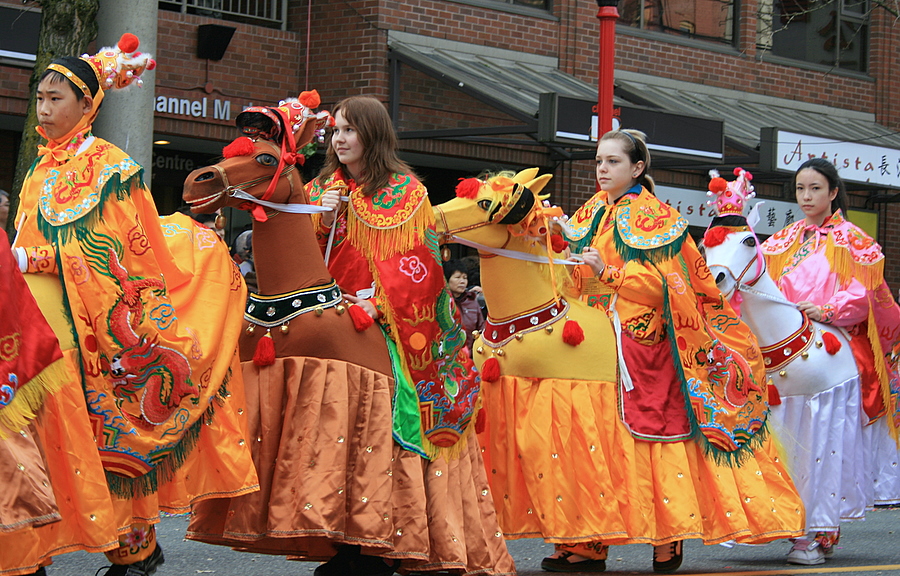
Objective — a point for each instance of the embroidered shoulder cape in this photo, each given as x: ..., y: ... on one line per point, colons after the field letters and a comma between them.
x: 852, y: 255
x: 718, y: 361
x: 155, y: 306
x: 385, y: 244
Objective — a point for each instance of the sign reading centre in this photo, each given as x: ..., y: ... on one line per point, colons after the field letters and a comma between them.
x: 573, y: 121
x: 864, y: 163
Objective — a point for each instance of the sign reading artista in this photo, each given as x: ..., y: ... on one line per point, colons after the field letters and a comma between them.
x: 864, y: 163
x: 202, y: 108
x: 773, y: 214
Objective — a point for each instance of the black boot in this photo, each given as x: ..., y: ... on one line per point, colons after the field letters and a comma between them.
x: 145, y: 567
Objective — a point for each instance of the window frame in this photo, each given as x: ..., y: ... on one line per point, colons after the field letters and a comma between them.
x: 691, y: 37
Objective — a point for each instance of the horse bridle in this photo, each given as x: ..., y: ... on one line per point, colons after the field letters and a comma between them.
x: 740, y: 286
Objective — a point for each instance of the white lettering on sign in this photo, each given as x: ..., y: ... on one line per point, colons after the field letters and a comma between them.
x: 855, y: 162
x: 692, y: 204
x: 194, y: 108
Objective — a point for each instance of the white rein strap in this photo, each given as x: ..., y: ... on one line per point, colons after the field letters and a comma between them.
x: 289, y: 208
x: 516, y: 255
x: 750, y: 290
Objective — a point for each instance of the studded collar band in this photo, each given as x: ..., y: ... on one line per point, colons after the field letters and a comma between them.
x: 781, y: 353
x: 271, y: 311
x: 498, y: 332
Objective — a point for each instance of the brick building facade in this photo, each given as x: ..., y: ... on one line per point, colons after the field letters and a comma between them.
x: 462, y: 79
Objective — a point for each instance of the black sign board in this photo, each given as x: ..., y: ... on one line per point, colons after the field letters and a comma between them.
x: 573, y: 122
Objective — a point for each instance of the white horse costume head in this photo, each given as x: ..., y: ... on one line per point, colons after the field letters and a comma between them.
x: 793, y: 347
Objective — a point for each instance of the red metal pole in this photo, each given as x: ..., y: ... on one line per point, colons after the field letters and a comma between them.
x: 608, y: 14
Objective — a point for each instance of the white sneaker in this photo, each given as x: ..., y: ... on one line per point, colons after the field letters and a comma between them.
x: 806, y: 552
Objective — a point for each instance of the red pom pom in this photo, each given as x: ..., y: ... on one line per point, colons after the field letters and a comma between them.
x: 468, y: 187
x: 361, y: 320
x: 832, y: 344
x: 242, y: 146
x: 490, y: 370
x: 737, y: 171
x: 774, y: 396
x: 128, y: 43
x: 310, y: 98
x: 717, y: 185
x: 715, y: 236
x: 573, y: 334
x: 558, y: 243
x: 265, y: 351
x: 480, y: 421
x: 151, y: 64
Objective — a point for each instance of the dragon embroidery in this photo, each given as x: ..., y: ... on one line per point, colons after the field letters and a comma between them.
x: 155, y: 377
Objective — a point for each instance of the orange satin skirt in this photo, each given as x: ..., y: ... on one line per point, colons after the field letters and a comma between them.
x: 563, y: 467
x: 90, y: 517
x: 331, y: 474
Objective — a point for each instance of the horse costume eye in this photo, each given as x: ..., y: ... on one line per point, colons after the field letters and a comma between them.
x: 749, y: 241
x: 267, y: 160
x: 484, y: 204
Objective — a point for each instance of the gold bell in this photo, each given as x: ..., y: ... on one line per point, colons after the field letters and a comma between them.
x: 519, y: 337
x: 475, y: 333
x: 500, y: 352
x: 549, y: 329
x: 819, y: 344
x: 480, y: 350
x: 319, y: 310
x: 340, y: 309
x: 783, y: 373
x: 251, y: 328
x: 284, y: 329
x: 804, y: 354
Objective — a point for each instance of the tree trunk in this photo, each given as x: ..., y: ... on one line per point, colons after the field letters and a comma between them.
x: 67, y: 27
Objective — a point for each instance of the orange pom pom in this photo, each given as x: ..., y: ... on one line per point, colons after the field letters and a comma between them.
x: 490, y: 370
x: 265, y: 351
x: 361, y: 320
x: 832, y: 344
x: 242, y: 146
x: 717, y: 185
x: 128, y: 43
x: 310, y: 98
x: 573, y: 334
x: 558, y: 243
x: 468, y: 187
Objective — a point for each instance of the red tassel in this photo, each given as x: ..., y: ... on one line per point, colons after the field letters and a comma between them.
x: 832, y: 344
x: 774, y: 396
x: 573, y: 334
x: 490, y: 370
x: 242, y: 146
x: 468, y: 187
x: 715, y: 236
x: 265, y: 351
x: 480, y: 421
x: 361, y: 320
x: 558, y: 243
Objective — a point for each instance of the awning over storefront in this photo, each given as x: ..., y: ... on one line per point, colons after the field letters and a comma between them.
x: 746, y: 114
x: 512, y: 82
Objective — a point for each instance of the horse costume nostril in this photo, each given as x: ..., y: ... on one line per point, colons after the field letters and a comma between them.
x: 720, y: 277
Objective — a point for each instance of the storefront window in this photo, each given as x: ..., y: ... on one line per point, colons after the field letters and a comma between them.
x: 539, y: 4
x: 702, y: 19
x: 827, y: 32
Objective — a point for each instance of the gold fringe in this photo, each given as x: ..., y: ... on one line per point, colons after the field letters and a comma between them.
x: 842, y: 263
x: 883, y: 377
x: 384, y: 243
x: 30, y: 397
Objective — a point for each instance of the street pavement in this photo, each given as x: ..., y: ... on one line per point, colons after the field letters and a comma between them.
x: 871, y: 547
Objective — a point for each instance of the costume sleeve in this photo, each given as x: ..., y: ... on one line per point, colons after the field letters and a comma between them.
x: 847, y: 306
x: 636, y: 281
x: 41, y: 259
